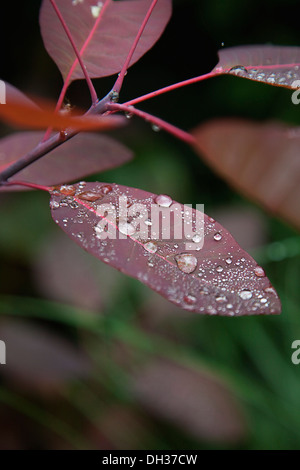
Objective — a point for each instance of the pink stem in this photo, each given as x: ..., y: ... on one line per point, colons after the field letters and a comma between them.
x: 118, y: 84
x: 94, y: 96
x: 190, y: 81
x: 179, y: 133
x: 29, y: 185
x: 78, y: 59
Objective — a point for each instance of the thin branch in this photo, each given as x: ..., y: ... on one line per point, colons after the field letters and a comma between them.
x: 51, y: 143
x: 168, y: 88
x: 160, y: 123
x: 118, y: 84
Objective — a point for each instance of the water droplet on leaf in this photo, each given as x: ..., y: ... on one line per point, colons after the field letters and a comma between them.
x: 163, y: 200
x: 151, y: 247
x: 217, y: 237
x: 186, y: 262
x: 245, y: 294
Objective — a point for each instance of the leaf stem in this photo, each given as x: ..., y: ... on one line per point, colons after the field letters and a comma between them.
x: 168, y: 88
x: 28, y: 185
x: 118, y: 84
x: 179, y: 133
x: 93, y: 93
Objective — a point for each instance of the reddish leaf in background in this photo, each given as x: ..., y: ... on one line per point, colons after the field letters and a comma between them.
x: 274, y: 65
x: 14, y: 95
x: 196, y: 401
x: 83, y: 155
x: 259, y: 159
x: 22, y: 114
x: 39, y: 359
x: 219, y: 279
x: 112, y: 39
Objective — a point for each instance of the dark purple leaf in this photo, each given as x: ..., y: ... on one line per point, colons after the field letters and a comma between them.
x: 219, y: 278
x: 83, y: 155
x: 196, y: 401
x: 112, y: 39
x: 259, y: 159
x: 274, y: 65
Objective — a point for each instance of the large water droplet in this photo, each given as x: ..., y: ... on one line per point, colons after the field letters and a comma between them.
x: 67, y: 189
x: 217, y: 237
x: 106, y: 188
x: 197, y: 238
x: 228, y: 260
x: 89, y: 196
x: 163, y: 200
x: 186, y: 262
x: 238, y: 70
x: 151, y: 247
x: 126, y: 228
x: 245, y: 294
x: 259, y: 272
x: 219, y: 269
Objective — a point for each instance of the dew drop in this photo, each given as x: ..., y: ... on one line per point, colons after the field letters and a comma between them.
x: 67, y: 190
x: 89, y: 196
x: 186, y: 262
x: 219, y: 269
x: 228, y: 260
x: 245, y: 294
x: 155, y: 128
x: 270, y: 290
x: 148, y: 222
x: 229, y: 306
x: 211, y: 310
x: 238, y: 70
x: 263, y: 301
x: 54, y: 205
x: 151, y: 247
x: 189, y: 299
x: 221, y: 298
x: 126, y: 228
x: 74, y: 205
x: 259, y: 272
x: 95, y: 9
x: 114, y: 96
x: 106, y: 188
x: 163, y: 200
x: 197, y: 238
x: 217, y: 237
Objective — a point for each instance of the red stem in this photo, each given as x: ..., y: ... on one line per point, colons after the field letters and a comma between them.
x: 155, y: 93
x: 179, y: 133
x: 94, y: 96
x: 93, y: 93
x: 118, y: 84
x: 28, y: 185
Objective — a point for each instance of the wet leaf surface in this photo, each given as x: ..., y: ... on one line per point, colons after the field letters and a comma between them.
x: 218, y: 278
x: 274, y: 65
